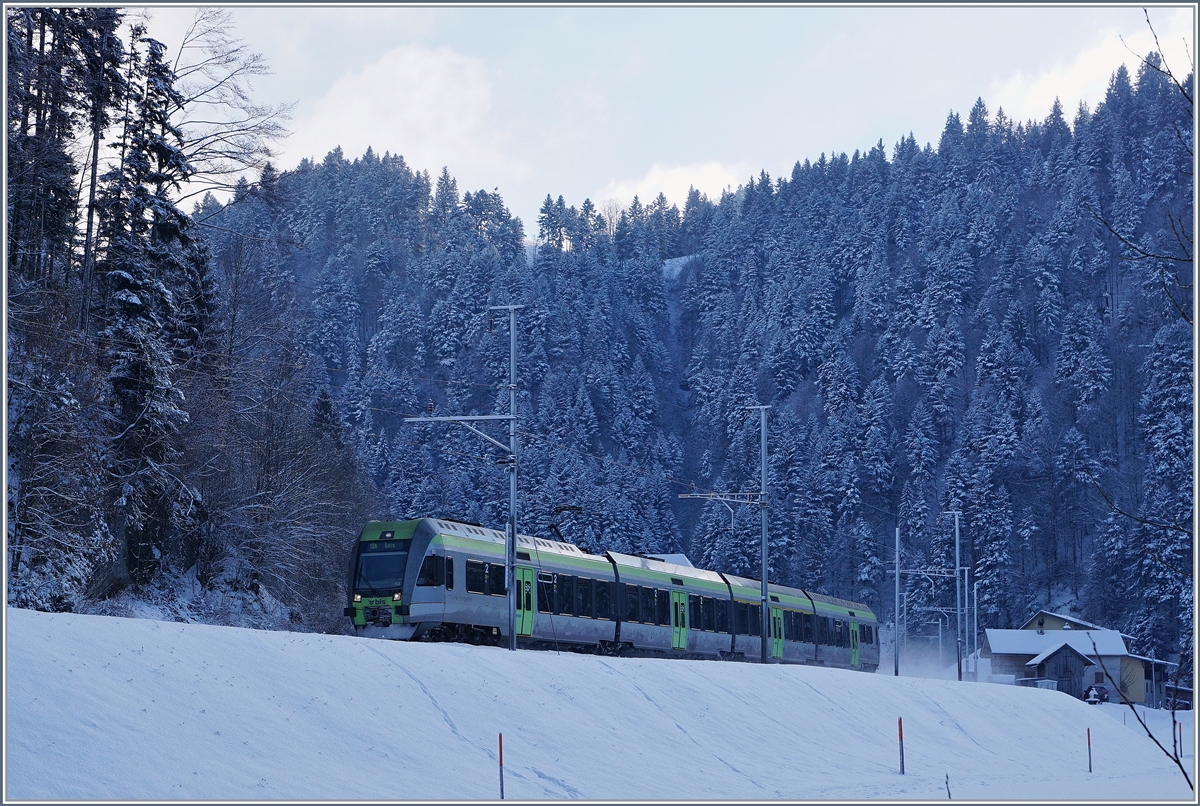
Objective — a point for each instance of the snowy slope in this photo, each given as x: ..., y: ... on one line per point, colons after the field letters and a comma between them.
x: 101, y: 707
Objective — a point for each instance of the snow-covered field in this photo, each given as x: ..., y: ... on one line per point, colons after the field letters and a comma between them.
x: 123, y: 709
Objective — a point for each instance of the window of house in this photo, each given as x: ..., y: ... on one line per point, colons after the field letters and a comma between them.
x: 1099, y: 677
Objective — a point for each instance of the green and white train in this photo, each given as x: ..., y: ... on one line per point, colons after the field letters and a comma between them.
x: 432, y: 579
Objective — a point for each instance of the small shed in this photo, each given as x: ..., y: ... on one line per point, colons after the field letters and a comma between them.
x: 1063, y: 664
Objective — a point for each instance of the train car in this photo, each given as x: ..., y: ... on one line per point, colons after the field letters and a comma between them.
x: 434, y: 579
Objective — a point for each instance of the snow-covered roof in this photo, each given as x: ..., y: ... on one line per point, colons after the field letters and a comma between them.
x: 1042, y: 657
x: 1087, y: 624
x: 1030, y: 642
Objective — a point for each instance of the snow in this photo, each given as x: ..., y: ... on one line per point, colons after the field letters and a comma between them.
x: 121, y: 709
x: 1030, y: 642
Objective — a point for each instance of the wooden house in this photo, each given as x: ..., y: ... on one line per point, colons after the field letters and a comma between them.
x: 1154, y: 675
x: 1038, y: 654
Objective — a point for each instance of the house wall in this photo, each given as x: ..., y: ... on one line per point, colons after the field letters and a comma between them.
x: 1012, y: 664
x: 1053, y: 623
x: 1119, y: 674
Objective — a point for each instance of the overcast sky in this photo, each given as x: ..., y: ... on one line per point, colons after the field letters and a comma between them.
x: 604, y: 103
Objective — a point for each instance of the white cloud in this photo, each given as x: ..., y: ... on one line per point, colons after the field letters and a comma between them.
x: 1085, y: 78
x: 709, y: 177
x: 428, y: 105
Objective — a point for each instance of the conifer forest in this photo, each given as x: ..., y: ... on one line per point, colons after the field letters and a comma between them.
x: 206, y: 390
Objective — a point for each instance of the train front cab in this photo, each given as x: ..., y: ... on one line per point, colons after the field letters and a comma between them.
x: 398, y: 579
x: 376, y: 601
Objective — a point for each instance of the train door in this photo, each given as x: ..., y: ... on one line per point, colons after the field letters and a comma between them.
x: 526, y: 600
x: 776, y: 632
x: 679, y: 620
x: 853, y: 643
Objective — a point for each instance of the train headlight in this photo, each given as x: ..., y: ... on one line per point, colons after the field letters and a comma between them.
x: 395, y: 597
x: 358, y: 597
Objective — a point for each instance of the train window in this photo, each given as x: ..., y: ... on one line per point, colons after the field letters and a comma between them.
x: 807, y: 632
x: 604, y: 599
x: 564, y: 596
x: 648, y: 608
x: 743, y: 619
x: 545, y: 592
x: 708, y: 606
x: 430, y: 571
x: 583, y: 597
x: 476, y: 577
x: 664, y: 607
x: 449, y: 573
x: 755, y: 620
x: 695, y: 620
x: 631, y: 603
x: 837, y: 631
x: 722, y: 615
x: 496, y: 580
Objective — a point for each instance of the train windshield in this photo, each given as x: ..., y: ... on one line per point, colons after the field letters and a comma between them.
x: 380, y: 567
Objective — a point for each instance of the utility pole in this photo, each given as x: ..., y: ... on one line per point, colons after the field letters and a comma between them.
x: 512, y: 449
x: 896, y: 616
x: 759, y: 498
x: 762, y: 508
x: 976, y: 631
x: 958, y: 631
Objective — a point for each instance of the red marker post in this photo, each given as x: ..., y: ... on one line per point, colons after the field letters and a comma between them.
x: 1089, y: 730
x: 501, y: 766
x: 900, y: 727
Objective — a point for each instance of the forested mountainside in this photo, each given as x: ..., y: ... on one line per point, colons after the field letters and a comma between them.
x: 1001, y: 325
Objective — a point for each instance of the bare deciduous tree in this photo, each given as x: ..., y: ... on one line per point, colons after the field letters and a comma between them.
x: 226, y: 132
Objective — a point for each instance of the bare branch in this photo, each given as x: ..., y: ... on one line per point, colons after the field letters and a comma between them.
x: 1174, y: 756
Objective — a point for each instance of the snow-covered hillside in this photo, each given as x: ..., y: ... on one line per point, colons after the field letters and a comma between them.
x: 122, y: 709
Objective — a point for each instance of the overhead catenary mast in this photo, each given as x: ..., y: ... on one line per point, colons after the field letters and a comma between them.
x: 759, y: 498
x: 513, y: 451
x: 762, y: 508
